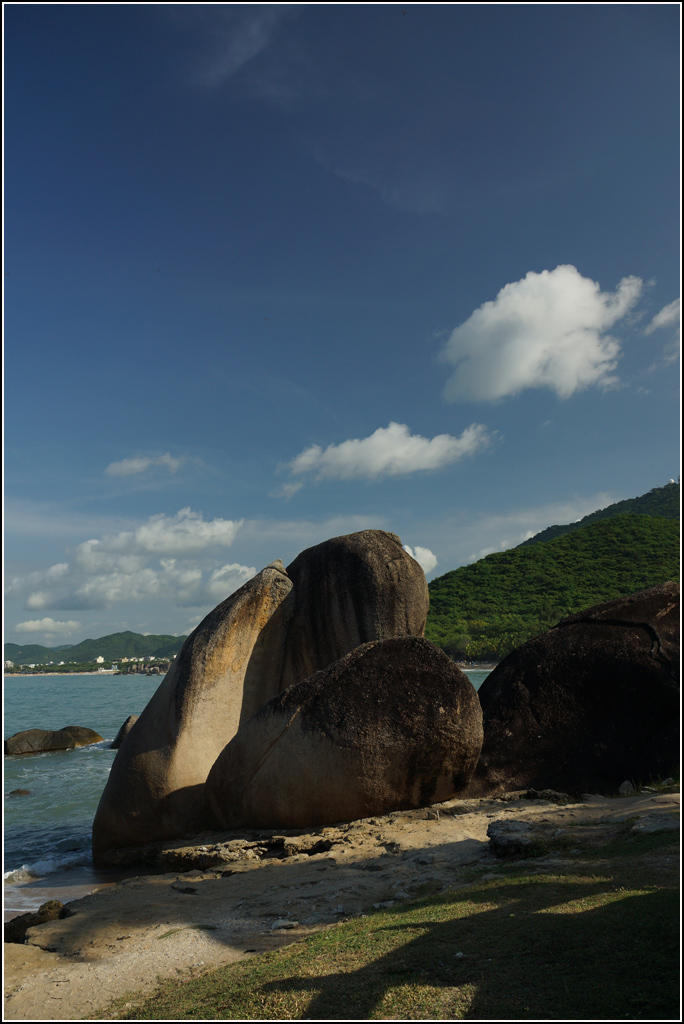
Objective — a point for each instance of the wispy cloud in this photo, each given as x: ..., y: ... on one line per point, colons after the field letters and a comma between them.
x: 547, y: 330
x: 389, y: 451
x: 142, y: 464
x: 239, y: 34
x: 668, y: 317
x: 286, y: 491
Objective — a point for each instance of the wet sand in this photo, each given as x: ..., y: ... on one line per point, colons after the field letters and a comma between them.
x: 65, y: 886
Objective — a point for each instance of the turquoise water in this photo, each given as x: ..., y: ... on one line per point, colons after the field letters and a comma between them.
x: 50, y: 828
x: 47, y: 832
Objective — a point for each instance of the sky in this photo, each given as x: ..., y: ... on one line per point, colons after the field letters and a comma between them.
x: 277, y: 273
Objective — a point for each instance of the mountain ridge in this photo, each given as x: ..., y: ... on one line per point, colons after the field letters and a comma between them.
x: 660, y: 502
x: 111, y: 647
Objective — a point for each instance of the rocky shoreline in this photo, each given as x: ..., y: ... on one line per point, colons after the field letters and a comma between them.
x: 221, y: 897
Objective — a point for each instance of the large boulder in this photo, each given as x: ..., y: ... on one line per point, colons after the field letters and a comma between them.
x: 123, y: 732
x: 40, y: 741
x: 348, y: 591
x: 227, y: 668
x: 394, y: 724
x: 589, y: 704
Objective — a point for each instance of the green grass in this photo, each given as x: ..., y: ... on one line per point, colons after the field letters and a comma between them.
x: 581, y: 941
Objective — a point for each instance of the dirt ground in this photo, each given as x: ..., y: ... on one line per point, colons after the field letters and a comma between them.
x: 123, y: 938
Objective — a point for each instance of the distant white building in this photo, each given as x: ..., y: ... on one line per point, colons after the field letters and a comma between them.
x: 9, y: 664
x: 99, y: 660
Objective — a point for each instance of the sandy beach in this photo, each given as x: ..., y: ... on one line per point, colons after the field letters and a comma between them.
x: 123, y: 937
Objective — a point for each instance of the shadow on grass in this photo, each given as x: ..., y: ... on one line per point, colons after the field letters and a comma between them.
x: 544, y: 952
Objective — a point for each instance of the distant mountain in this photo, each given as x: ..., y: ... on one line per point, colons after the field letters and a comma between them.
x: 111, y: 648
x: 485, y: 609
x: 31, y: 654
x: 661, y: 502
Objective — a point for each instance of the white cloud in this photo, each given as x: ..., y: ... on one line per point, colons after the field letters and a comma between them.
x: 183, y: 534
x: 48, y: 625
x: 547, y: 330
x: 667, y: 317
x: 240, y: 33
x: 227, y: 579
x: 286, y: 491
x: 160, y: 559
x: 389, y: 451
x: 132, y: 467
x: 425, y: 558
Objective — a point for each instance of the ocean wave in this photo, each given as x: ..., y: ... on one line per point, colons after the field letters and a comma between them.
x: 49, y: 865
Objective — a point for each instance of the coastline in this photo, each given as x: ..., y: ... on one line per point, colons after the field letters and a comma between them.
x: 73, y: 968
x: 46, y: 675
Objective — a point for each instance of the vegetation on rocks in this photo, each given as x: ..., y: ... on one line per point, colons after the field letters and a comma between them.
x: 486, y: 609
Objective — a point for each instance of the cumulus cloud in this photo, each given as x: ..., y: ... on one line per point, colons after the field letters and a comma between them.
x: 547, y: 330
x: 425, y: 558
x: 227, y: 579
x: 185, y: 533
x: 48, y: 625
x: 167, y: 557
x: 133, y: 467
x: 389, y: 451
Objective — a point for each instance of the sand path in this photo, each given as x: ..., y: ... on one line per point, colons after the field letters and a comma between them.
x: 125, y: 937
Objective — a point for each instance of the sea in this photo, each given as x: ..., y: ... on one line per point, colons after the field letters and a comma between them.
x: 51, y: 799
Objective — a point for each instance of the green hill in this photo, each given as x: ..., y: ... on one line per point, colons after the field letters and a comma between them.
x: 111, y: 647
x: 662, y: 502
x: 485, y: 609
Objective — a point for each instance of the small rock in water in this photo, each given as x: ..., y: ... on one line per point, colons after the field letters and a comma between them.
x: 627, y: 789
x: 20, y: 792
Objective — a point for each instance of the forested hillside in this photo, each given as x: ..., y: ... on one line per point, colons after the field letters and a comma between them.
x: 484, y: 610
x: 662, y: 502
x: 111, y: 647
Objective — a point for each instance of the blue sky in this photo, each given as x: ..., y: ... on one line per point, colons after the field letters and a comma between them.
x: 275, y: 273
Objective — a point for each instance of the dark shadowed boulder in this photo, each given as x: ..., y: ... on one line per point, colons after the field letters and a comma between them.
x: 40, y: 741
x: 123, y: 732
x: 227, y: 668
x: 16, y: 928
x: 348, y: 591
x: 394, y: 724
x: 589, y: 704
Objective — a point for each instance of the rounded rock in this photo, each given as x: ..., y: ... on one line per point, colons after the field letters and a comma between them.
x: 392, y: 725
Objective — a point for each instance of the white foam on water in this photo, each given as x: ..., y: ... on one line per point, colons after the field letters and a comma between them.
x: 48, y: 866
